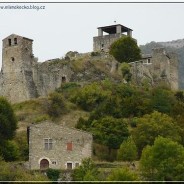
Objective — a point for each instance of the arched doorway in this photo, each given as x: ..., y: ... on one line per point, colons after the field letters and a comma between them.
x: 44, y: 164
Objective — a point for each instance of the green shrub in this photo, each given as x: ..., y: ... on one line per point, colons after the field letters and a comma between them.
x: 10, y: 151
x: 57, y: 105
x: 87, y: 171
x: 16, y: 172
x: 95, y: 54
x: 123, y: 174
x: 22, y: 143
x: 53, y: 174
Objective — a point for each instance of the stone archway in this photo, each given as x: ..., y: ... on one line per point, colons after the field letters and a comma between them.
x: 44, y: 164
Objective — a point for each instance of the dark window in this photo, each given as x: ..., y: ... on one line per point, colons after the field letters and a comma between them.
x: 102, y: 47
x: 63, y: 79
x: 9, y: 42
x: 15, y: 41
x: 69, y: 146
x: 12, y: 59
x: 69, y: 165
x: 149, y: 61
x: 48, y: 143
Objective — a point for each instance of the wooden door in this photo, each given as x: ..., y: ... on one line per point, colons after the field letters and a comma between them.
x: 44, y: 164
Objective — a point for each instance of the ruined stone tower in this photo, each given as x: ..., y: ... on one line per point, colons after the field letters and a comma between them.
x: 103, y: 42
x: 160, y: 66
x: 16, y: 78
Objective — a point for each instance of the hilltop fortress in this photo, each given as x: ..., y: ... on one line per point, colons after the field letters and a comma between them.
x: 22, y: 77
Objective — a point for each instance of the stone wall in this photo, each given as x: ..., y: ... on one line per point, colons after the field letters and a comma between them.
x: 22, y: 77
x: 163, y: 67
x: 50, y: 75
x: 58, y: 156
x: 103, y: 42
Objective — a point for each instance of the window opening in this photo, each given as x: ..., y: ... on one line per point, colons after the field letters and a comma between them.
x: 54, y: 162
x: 69, y: 165
x: 102, y: 47
x: 12, y: 59
x: 9, y: 42
x: 69, y: 146
x: 48, y: 143
x: 15, y: 41
x: 63, y: 79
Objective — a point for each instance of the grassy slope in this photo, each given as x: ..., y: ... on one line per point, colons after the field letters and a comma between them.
x: 35, y: 111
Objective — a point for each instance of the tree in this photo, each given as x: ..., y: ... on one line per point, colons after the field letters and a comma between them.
x: 8, y: 121
x: 57, y: 104
x: 163, y: 161
x: 110, y: 131
x: 127, y: 150
x: 90, y: 96
x: 162, y: 100
x: 10, y: 151
x: 122, y: 175
x: 87, y: 171
x: 125, y: 69
x: 152, y: 125
x: 125, y: 49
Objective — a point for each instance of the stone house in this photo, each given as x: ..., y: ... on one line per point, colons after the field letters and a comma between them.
x: 57, y: 147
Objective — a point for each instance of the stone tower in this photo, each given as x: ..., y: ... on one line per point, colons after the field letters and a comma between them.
x: 114, y: 32
x: 16, y: 78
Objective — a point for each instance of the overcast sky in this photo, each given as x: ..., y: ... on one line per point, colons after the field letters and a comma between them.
x: 60, y: 27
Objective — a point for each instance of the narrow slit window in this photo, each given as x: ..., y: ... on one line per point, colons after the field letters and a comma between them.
x: 9, y: 42
x: 102, y: 47
x: 15, y: 41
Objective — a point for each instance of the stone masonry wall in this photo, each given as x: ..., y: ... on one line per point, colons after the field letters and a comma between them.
x: 106, y: 40
x: 50, y: 75
x: 16, y: 80
x: 23, y: 78
x: 162, y: 67
x: 59, y: 155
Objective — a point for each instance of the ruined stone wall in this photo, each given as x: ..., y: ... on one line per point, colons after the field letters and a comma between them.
x: 163, y: 68
x: 174, y: 70
x: 50, y: 75
x: 58, y: 156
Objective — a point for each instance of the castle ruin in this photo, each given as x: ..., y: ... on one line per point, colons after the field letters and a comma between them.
x: 22, y: 77
x: 157, y: 67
